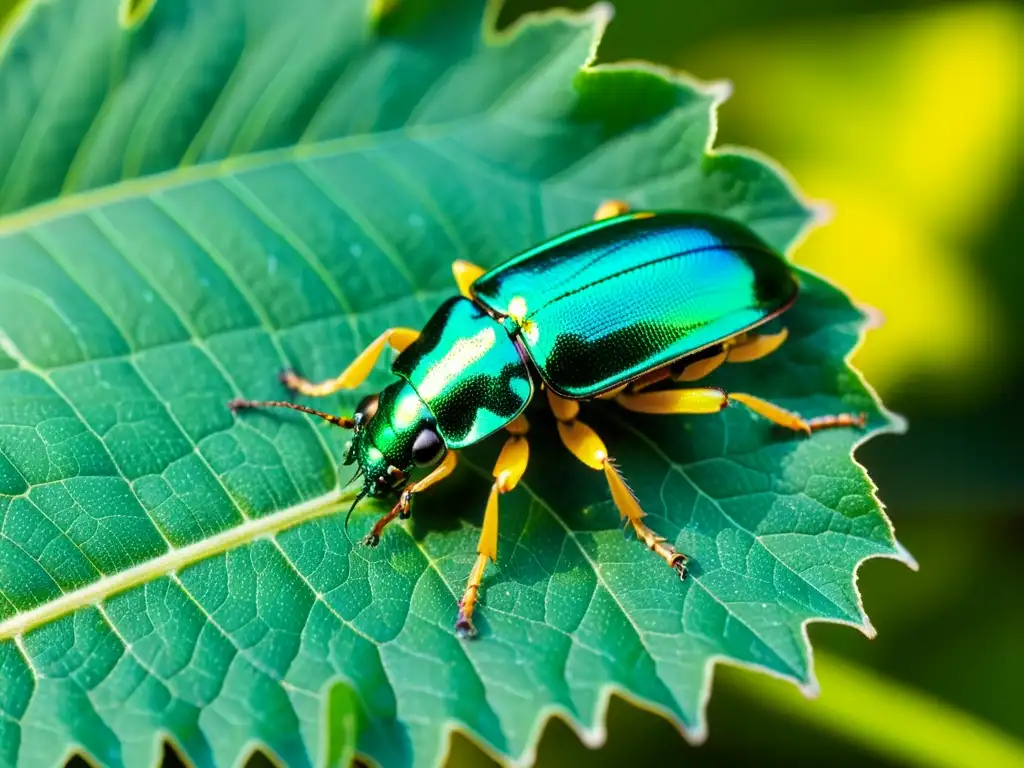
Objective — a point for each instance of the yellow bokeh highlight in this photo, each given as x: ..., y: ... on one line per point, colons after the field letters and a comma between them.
x: 934, y: 315
x: 958, y: 130
x: 909, y: 126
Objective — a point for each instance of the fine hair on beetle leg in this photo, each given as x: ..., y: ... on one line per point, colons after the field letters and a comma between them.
x: 585, y: 444
x: 508, y: 470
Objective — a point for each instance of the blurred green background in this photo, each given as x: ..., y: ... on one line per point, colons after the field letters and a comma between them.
x: 905, y: 116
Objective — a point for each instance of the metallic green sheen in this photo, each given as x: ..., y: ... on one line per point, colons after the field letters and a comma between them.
x: 610, y: 301
x: 388, y: 438
x: 468, y: 371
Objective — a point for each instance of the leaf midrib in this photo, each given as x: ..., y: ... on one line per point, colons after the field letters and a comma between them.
x: 174, y: 560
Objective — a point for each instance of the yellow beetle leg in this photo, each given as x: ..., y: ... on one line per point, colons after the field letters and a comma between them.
x: 441, y: 471
x: 693, y: 400
x: 508, y: 470
x: 609, y: 209
x: 740, y: 349
x: 772, y: 412
x: 402, y: 508
x: 791, y: 420
x: 698, y: 369
x: 358, y: 369
x: 465, y: 274
x: 756, y: 346
x: 584, y: 443
x: 564, y: 409
x: 611, y: 394
x: 712, y: 400
x: 701, y: 368
x: 649, y: 379
x: 830, y: 421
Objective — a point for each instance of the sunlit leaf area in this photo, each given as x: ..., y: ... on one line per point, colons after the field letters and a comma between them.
x: 198, y: 194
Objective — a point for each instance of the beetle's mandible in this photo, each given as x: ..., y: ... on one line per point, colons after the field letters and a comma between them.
x: 622, y: 309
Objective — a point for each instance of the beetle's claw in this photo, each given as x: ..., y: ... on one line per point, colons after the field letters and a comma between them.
x: 464, y: 629
x: 238, y: 404
x: 679, y: 565
x: 371, y: 540
x: 405, y: 504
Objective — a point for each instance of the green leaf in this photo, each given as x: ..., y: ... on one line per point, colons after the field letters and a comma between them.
x: 200, y: 193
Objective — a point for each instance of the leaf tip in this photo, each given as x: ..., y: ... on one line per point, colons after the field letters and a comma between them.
x: 720, y: 91
x: 812, y: 688
x: 822, y: 212
x: 904, y: 556
x: 591, y: 736
x: 874, y: 317
x: 601, y: 13
x: 697, y: 735
x: 898, y: 423
x: 599, y: 16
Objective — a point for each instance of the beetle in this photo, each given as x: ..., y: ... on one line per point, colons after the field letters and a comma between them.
x: 620, y: 309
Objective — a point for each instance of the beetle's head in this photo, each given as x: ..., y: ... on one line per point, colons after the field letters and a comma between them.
x: 394, y: 434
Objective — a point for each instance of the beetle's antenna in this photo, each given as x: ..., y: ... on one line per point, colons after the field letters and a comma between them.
x: 348, y: 515
x: 240, y: 404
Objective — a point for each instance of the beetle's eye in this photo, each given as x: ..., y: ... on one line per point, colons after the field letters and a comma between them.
x: 427, y: 448
x: 366, y: 409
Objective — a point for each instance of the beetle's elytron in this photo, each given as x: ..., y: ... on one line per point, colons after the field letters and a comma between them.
x: 617, y: 310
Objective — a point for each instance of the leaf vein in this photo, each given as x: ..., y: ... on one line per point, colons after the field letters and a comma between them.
x: 681, y: 470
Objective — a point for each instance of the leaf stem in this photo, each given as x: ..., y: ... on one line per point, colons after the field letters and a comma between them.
x: 887, y: 717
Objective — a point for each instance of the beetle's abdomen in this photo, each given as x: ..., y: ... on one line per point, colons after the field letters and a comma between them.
x: 611, y: 301
x: 468, y: 371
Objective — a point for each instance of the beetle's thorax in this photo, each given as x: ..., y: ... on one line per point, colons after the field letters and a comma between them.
x: 468, y: 371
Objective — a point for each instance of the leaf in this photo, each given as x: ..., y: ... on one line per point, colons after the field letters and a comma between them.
x: 205, y: 192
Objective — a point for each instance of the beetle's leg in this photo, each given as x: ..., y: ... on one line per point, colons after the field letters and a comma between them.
x: 358, y: 369
x: 508, y: 470
x: 465, y: 274
x: 698, y: 369
x: 712, y: 400
x: 744, y: 348
x: 647, y: 380
x: 754, y: 346
x: 609, y: 209
x: 611, y: 394
x: 402, y: 508
x: 584, y: 443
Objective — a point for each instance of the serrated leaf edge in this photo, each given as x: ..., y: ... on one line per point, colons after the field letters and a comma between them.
x: 598, y: 16
x: 595, y: 734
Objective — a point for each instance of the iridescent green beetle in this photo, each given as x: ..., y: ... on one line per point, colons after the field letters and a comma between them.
x: 618, y: 310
